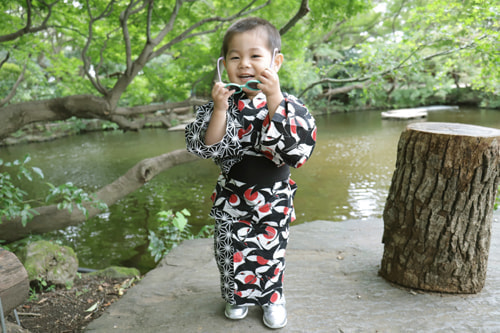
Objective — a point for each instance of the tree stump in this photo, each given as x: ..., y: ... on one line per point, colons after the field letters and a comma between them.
x: 14, y: 284
x: 438, y: 214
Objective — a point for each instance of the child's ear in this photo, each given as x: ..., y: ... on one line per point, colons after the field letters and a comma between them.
x: 278, y: 61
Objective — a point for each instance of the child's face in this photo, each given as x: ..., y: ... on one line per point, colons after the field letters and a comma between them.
x: 248, y: 55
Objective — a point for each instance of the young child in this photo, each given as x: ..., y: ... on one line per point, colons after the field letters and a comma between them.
x: 254, y: 132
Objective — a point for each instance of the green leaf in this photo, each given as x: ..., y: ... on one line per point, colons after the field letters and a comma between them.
x: 180, y: 221
x: 27, y: 158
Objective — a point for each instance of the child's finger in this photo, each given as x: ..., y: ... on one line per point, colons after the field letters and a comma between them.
x: 220, y: 94
x: 269, y: 75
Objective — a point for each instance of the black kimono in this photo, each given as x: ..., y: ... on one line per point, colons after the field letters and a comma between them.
x: 253, y: 197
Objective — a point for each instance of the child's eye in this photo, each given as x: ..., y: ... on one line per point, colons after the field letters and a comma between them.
x: 256, y: 56
x: 234, y: 58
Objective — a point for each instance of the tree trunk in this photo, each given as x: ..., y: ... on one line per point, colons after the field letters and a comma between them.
x: 15, y: 116
x: 51, y: 218
x: 14, y: 284
x: 438, y: 214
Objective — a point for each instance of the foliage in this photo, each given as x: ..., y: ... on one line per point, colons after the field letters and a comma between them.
x: 12, y: 198
x: 405, y: 52
x: 68, y: 195
x: 409, y: 53
x: 12, y: 203
x: 173, y: 229
x: 55, y: 63
x: 21, y: 243
x: 42, y: 284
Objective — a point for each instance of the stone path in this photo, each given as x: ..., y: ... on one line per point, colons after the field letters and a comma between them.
x: 331, y: 285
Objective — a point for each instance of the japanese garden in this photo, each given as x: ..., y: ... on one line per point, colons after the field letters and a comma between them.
x: 94, y: 96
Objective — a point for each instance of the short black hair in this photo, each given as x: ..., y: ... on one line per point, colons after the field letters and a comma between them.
x: 250, y: 23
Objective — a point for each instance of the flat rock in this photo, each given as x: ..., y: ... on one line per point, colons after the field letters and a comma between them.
x: 331, y: 284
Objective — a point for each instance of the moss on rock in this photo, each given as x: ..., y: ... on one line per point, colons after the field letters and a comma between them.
x: 51, y: 262
x: 117, y: 272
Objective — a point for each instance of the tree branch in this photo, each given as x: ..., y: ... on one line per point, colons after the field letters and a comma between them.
x: 148, y: 52
x: 402, y: 64
x: 7, y: 56
x: 28, y: 28
x: 188, y: 33
x: 101, y: 61
x: 15, y: 116
x: 343, y: 90
x: 86, y: 61
x: 148, y: 25
x: 14, y: 88
x: 124, y: 16
x: 150, y: 108
x: 333, y: 32
x: 303, y: 10
x: 395, y: 16
x: 169, y: 26
x: 50, y: 218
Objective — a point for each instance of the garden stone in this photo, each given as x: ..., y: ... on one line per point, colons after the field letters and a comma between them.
x: 117, y: 272
x: 50, y: 262
x: 13, y: 328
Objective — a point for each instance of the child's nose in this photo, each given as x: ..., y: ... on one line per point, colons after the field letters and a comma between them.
x: 244, y: 62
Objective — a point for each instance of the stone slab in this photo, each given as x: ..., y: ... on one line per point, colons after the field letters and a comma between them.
x: 331, y: 284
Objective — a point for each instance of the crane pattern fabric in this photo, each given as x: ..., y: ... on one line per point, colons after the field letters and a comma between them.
x: 252, y: 219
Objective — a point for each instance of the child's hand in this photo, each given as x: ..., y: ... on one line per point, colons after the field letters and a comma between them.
x: 217, y: 125
x: 270, y: 83
x: 270, y: 86
x: 220, y: 95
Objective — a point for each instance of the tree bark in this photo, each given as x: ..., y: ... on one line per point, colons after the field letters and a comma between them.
x: 51, y: 218
x: 14, y: 284
x: 14, y: 116
x: 438, y: 214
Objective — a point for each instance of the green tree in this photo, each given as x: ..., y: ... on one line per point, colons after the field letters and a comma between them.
x: 403, y: 52
x: 123, y: 61
x: 133, y: 62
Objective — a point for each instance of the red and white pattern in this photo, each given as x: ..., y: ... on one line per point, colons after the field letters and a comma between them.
x: 252, y: 221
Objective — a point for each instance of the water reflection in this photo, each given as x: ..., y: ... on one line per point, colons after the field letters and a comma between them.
x: 365, y: 199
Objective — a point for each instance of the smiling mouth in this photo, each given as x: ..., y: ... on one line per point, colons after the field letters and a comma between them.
x: 246, y: 77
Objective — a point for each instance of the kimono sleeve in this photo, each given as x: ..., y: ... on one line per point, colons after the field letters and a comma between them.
x: 227, y: 148
x: 290, y: 136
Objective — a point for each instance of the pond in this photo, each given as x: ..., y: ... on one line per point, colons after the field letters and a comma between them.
x: 348, y: 177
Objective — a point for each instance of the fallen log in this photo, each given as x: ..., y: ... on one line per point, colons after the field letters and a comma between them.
x: 51, y: 218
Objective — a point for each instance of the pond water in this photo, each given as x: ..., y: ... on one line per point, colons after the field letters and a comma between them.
x: 348, y: 177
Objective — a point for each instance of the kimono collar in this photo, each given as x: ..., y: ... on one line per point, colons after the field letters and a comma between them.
x: 242, y: 97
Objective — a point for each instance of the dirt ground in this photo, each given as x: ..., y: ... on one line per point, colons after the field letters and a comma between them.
x: 70, y: 310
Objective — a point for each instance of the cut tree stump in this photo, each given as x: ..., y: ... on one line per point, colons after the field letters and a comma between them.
x: 14, y: 284
x: 438, y: 214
